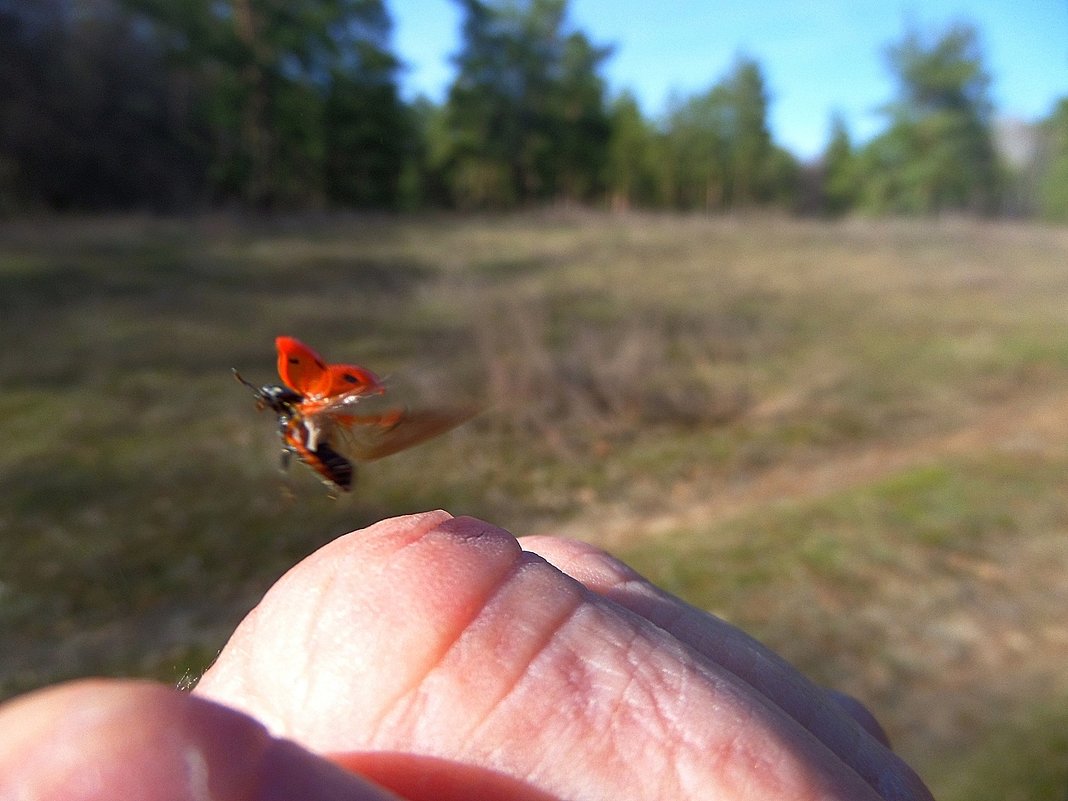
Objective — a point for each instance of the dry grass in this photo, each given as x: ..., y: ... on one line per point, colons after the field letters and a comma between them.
x: 850, y: 438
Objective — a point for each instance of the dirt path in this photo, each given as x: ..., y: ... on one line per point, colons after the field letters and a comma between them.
x: 1036, y: 425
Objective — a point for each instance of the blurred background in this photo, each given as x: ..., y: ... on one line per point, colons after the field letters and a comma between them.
x: 772, y: 305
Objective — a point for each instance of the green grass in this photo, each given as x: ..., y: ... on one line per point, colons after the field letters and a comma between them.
x: 845, y: 437
x: 1023, y: 758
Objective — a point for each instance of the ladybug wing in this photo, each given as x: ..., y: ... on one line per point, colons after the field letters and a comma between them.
x: 304, y: 371
x: 368, y: 433
x: 350, y: 380
x: 300, y: 368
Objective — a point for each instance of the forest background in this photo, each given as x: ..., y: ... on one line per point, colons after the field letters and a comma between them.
x: 123, y: 104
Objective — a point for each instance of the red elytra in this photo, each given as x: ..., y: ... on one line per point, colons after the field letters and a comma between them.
x: 304, y: 371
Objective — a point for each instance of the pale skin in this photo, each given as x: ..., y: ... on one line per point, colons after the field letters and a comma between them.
x: 444, y: 659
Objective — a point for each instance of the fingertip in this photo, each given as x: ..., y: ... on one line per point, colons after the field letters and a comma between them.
x: 597, y: 569
x: 420, y: 777
x: 465, y: 528
x: 107, y: 739
x: 860, y: 714
x: 398, y: 593
x: 290, y: 772
x: 394, y: 534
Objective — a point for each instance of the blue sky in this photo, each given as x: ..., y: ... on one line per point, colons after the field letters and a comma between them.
x: 818, y: 56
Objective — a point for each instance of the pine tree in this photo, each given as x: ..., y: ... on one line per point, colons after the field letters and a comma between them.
x: 938, y: 153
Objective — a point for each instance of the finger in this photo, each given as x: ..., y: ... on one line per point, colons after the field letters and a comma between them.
x: 860, y: 714
x: 425, y: 778
x: 442, y: 638
x: 100, y: 739
x: 833, y: 718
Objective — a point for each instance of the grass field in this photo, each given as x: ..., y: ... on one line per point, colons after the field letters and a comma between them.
x: 850, y: 439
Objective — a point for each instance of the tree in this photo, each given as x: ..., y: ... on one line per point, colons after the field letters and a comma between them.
x: 525, y: 114
x: 749, y: 140
x: 578, y: 107
x: 369, y: 132
x: 300, y: 96
x: 424, y: 181
x: 630, y: 175
x: 90, y: 117
x: 938, y: 153
x: 694, y: 163
x: 781, y: 180
x: 1053, y: 183
x: 839, y: 178
x: 718, y: 149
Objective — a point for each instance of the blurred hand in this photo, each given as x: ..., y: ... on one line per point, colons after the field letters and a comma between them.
x: 444, y: 659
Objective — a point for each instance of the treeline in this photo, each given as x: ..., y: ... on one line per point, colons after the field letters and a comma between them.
x: 295, y: 104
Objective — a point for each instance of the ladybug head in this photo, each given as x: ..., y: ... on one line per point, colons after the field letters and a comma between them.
x: 280, y: 400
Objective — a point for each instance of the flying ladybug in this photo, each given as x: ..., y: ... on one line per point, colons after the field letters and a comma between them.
x: 334, y: 415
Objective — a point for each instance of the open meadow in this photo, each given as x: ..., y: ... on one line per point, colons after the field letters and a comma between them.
x: 850, y: 439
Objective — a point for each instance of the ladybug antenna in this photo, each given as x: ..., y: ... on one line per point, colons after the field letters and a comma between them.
x: 242, y: 380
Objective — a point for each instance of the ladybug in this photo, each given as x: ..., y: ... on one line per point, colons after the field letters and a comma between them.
x: 321, y: 421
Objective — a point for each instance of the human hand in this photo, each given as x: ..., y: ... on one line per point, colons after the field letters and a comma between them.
x: 443, y: 659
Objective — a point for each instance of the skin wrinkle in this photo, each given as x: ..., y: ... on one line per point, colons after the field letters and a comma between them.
x: 425, y: 532
x: 415, y: 529
x: 736, y: 653
x: 666, y: 700
x: 589, y: 675
x: 547, y: 763
x: 307, y: 671
x: 742, y: 657
x: 580, y: 677
x: 661, y: 721
x: 553, y: 632
x: 744, y: 760
x: 408, y: 702
x: 734, y: 761
x: 545, y: 766
x: 688, y: 747
x: 801, y: 746
x: 404, y: 702
x: 657, y: 697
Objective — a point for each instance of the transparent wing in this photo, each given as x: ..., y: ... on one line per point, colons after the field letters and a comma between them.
x: 366, y: 428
